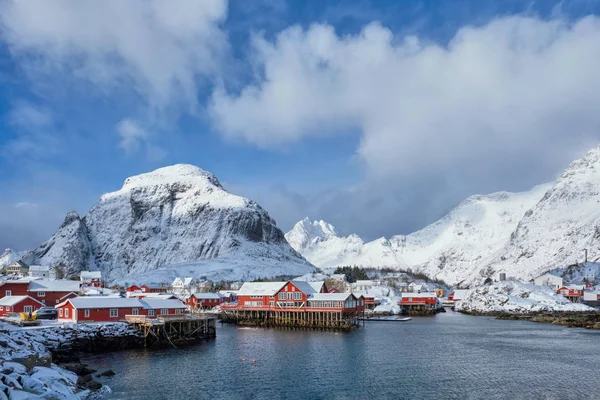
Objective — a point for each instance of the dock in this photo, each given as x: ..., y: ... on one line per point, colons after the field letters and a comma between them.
x: 173, y: 329
x: 299, y: 318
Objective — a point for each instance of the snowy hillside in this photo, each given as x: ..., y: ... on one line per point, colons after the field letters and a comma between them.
x: 176, y: 219
x: 555, y: 232
x: 514, y: 297
x: 9, y: 256
x: 453, y: 248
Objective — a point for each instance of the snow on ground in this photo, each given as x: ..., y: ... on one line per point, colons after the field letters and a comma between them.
x: 312, y: 277
x: 40, y: 379
x: 516, y: 298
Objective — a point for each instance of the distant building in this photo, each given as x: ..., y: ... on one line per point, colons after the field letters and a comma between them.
x: 502, y: 276
x: 457, y: 295
x: 204, y: 300
x: 183, y: 285
x: 589, y: 274
x: 363, y: 285
x: 414, y: 287
x: 573, y: 293
x: 591, y: 299
x: 39, y: 271
x: 553, y: 281
x: 17, y: 268
x: 91, y: 278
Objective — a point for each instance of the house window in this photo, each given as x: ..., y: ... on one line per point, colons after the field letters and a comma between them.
x: 1, y: 308
x: 164, y: 311
x: 66, y: 313
x: 297, y: 296
x: 282, y: 296
x: 7, y: 308
x: 9, y: 292
x: 135, y: 311
x: 178, y: 311
x: 290, y: 295
x: 28, y: 309
x: 114, y: 312
x: 41, y: 294
x: 151, y: 313
x: 86, y: 313
x: 60, y: 312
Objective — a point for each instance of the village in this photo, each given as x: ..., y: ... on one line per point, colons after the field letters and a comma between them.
x: 31, y: 293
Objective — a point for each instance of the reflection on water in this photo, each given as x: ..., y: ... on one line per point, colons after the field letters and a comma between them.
x: 443, y: 357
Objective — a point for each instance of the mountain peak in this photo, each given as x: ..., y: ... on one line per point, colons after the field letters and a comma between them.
x: 172, y: 174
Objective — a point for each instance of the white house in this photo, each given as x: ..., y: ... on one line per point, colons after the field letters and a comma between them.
x: 183, y: 285
x: 589, y: 274
x: 39, y: 271
x: 550, y: 280
x: 414, y: 287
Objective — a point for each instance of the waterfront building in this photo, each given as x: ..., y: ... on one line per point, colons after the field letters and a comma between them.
x: 17, y: 268
x: 229, y: 296
x: 106, y: 309
x: 183, y: 285
x: 204, y: 300
x: 18, y: 304
x: 17, y: 287
x: 591, y: 299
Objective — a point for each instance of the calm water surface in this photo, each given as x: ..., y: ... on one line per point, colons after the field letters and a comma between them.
x: 450, y: 356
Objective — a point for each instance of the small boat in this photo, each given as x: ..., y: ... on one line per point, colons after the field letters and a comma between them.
x: 388, y: 319
x: 404, y: 319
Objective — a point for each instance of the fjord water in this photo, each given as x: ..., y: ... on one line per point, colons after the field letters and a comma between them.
x: 447, y: 356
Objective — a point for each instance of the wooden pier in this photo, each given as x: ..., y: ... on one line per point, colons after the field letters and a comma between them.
x: 303, y: 318
x: 173, y: 329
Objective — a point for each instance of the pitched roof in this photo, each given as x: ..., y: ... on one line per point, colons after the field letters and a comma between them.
x: 154, y: 303
x: 102, y: 302
x: 576, y: 287
x: 317, y: 286
x: 20, y: 263
x: 12, y: 300
x: 305, y: 287
x: 59, y: 285
x: 330, y: 296
x: 206, y: 295
x: 39, y: 268
x: 153, y: 285
x: 260, y: 288
x: 91, y: 275
x: 460, y: 293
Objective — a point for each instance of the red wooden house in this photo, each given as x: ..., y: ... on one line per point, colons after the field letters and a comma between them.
x: 18, y: 287
x: 133, y: 288
x: 572, y: 292
x: 420, y: 300
x: 18, y: 304
x: 53, y: 292
x: 105, y: 309
x: 91, y: 278
x: 337, y: 302
x: 204, y: 300
x: 154, y: 288
x: 457, y: 295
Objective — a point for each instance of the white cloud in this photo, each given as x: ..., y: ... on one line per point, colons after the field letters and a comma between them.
x: 33, y: 134
x: 514, y: 93
x: 160, y: 48
x: 132, y: 135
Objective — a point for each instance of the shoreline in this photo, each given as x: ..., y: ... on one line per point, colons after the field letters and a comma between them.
x: 570, y: 319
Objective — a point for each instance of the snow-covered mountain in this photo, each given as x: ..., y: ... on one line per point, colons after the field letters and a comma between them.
x: 452, y: 248
x: 521, y: 234
x: 555, y: 232
x: 174, y: 220
x: 9, y: 256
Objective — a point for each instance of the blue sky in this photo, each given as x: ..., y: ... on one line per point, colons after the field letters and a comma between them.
x: 377, y: 116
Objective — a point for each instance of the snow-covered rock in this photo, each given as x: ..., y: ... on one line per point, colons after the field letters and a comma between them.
x: 9, y: 256
x: 516, y: 298
x: 174, y: 220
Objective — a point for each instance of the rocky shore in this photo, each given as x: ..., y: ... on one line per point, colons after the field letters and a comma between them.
x: 44, y: 363
x: 587, y: 320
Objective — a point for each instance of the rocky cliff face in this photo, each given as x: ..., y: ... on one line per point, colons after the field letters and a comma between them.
x: 175, y: 220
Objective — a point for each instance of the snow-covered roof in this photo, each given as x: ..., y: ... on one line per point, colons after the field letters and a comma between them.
x: 590, y: 296
x: 39, y: 268
x: 155, y: 295
x: 229, y: 292
x: 330, y: 296
x: 460, y: 293
x: 548, y: 275
x: 338, y: 277
x: 260, y: 288
x: 12, y: 300
x: 154, y: 303
x: 153, y: 285
x: 102, y: 302
x: 90, y: 275
x: 427, y: 295
x: 206, y: 295
x: 305, y: 287
x: 188, y: 281
x: 576, y: 287
x: 317, y: 286
x: 59, y: 285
